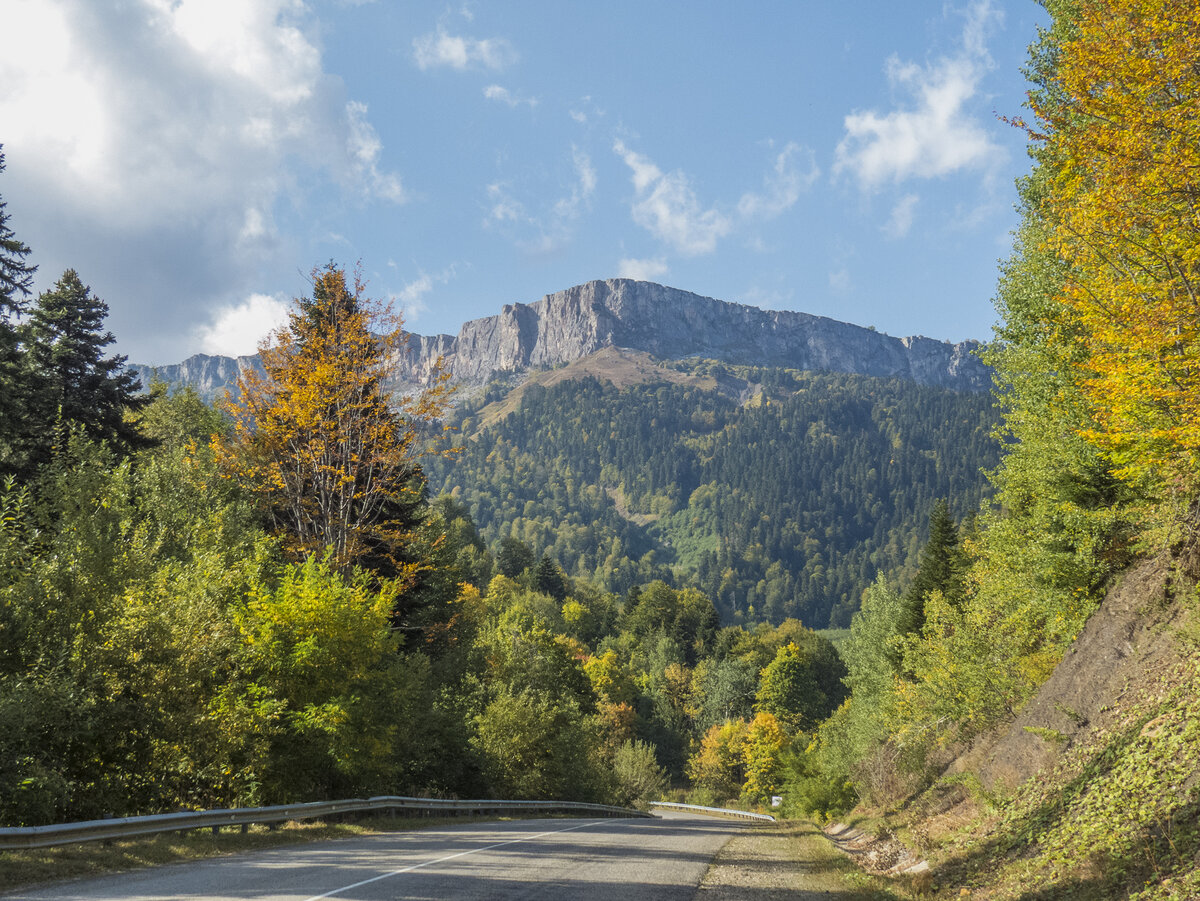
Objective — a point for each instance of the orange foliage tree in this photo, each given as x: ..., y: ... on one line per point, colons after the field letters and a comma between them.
x: 1121, y: 132
x: 317, y: 435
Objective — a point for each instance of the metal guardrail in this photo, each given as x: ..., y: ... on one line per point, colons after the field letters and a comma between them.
x: 22, y: 837
x: 720, y: 811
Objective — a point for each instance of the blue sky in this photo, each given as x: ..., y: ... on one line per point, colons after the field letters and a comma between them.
x: 194, y: 159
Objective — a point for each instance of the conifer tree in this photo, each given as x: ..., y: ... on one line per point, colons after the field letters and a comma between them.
x: 549, y: 579
x: 16, y: 283
x: 16, y: 275
x: 942, y: 568
x: 70, y: 377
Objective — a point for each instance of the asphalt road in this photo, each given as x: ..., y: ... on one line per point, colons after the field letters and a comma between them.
x: 623, y: 860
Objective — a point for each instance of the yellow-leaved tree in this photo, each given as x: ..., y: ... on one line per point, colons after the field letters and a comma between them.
x: 317, y: 435
x: 1121, y: 134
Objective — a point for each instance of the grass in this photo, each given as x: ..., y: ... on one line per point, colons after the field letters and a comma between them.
x: 836, y: 871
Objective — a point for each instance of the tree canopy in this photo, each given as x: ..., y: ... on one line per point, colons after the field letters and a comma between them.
x: 317, y: 434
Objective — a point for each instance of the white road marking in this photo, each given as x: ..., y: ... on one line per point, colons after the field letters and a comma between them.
x: 429, y: 863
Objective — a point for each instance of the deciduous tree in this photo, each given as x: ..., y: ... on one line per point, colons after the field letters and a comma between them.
x: 332, y: 454
x: 1121, y: 136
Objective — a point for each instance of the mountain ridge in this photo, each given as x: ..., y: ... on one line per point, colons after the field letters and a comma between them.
x: 643, y: 316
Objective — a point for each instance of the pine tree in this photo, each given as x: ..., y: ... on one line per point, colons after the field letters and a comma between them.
x: 16, y: 283
x: 16, y: 275
x: 942, y: 568
x: 549, y: 579
x: 71, y: 380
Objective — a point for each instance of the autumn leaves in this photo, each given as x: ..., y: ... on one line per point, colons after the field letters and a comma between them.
x: 1121, y: 134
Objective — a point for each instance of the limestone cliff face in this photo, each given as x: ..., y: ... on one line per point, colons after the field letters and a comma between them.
x: 665, y: 322
x: 210, y: 376
x: 669, y: 323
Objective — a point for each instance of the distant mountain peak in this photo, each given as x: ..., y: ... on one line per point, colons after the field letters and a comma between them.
x: 665, y: 322
x: 672, y: 324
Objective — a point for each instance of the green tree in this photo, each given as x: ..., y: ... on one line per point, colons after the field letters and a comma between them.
x: 725, y: 689
x: 536, y: 745
x: 639, y: 778
x: 942, y: 568
x: 549, y: 579
x: 16, y: 275
x: 790, y: 689
x: 514, y: 557
x: 71, y: 378
x: 16, y: 284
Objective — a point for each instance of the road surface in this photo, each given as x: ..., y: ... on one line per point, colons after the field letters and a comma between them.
x: 553, y: 859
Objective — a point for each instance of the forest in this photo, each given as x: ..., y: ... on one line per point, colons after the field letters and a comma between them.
x: 316, y: 590
x: 259, y: 603
x: 787, y: 505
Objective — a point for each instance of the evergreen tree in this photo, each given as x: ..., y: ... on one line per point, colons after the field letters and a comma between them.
x: 70, y: 378
x: 514, y: 557
x: 942, y: 567
x: 16, y: 282
x: 549, y: 579
x: 16, y: 275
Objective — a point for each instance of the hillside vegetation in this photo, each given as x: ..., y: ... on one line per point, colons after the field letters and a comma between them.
x: 255, y: 604
x: 775, y: 492
x: 1026, y: 715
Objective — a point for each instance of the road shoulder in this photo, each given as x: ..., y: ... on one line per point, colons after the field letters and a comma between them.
x: 790, y: 859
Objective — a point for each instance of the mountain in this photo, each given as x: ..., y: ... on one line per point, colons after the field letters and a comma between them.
x: 664, y: 322
x: 779, y: 461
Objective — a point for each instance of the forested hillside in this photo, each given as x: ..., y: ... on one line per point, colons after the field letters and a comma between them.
x: 253, y: 604
x: 603, y: 582
x: 778, y: 493
x: 1026, y: 759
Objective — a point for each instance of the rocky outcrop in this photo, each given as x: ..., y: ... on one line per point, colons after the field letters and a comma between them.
x: 210, y: 376
x: 672, y: 324
x: 662, y: 321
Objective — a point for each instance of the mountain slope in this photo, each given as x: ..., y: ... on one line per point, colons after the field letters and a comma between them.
x: 1092, y: 790
x: 777, y: 492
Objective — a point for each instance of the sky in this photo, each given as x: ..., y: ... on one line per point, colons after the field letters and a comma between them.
x: 195, y: 160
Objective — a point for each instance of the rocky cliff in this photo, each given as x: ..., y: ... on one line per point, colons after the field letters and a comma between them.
x: 665, y: 322
x: 210, y: 376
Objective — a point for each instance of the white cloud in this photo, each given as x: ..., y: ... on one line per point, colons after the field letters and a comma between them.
x: 585, y: 110
x: 795, y: 171
x: 553, y: 225
x: 412, y: 297
x: 571, y: 206
x: 937, y: 133
x: 236, y: 330
x: 439, y: 49
x: 504, y: 207
x: 839, y: 281
x: 505, y: 96
x: 365, y: 147
x: 902, y: 217
x: 153, y: 143
x: 666, y: 206
x: 650, y: 270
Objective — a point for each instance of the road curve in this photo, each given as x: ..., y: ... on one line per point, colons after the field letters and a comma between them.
x: 622, y: 860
